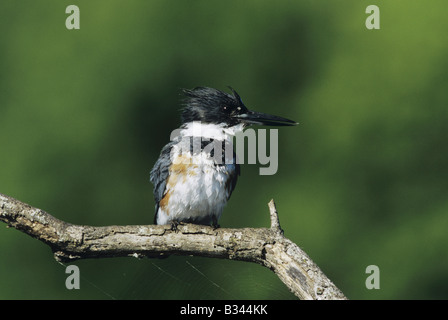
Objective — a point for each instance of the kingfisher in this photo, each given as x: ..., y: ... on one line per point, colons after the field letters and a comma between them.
x: 197, y: 170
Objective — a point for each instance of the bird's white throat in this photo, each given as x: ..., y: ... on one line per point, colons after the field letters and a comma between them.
x: 209, y: 130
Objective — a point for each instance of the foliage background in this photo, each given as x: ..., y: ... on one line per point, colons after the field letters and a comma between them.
x: 361, y: 181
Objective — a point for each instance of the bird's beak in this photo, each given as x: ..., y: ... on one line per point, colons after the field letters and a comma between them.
x: 253, y: 117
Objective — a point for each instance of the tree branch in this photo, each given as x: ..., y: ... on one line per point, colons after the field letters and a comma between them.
x: 267, y: 247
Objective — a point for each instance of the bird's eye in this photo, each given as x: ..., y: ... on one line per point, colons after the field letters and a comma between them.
x: 225, y: 108
x: 239, y: 108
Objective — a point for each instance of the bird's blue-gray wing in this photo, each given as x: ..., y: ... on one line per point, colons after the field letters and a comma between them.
x: 159, y: 175
x: 234, y: 172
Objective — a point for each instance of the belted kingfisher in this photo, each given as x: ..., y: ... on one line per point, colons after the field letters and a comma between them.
x: 192, y: 183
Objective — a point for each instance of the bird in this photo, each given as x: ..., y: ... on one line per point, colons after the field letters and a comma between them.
x: 192, y: 181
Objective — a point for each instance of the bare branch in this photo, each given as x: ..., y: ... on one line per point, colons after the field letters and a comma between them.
x: 275, y: 222
x: 267, y: 247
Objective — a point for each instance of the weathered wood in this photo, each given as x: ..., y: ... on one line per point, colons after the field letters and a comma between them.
x: 267, y: 247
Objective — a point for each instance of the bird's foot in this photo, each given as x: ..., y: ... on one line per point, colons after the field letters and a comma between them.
x: 174, y: 224
x: 215, y: 224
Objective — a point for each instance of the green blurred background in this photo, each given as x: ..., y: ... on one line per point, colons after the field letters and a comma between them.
x: 363, y: 180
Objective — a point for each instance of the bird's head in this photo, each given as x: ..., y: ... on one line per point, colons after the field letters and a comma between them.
x: 212, y: 106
